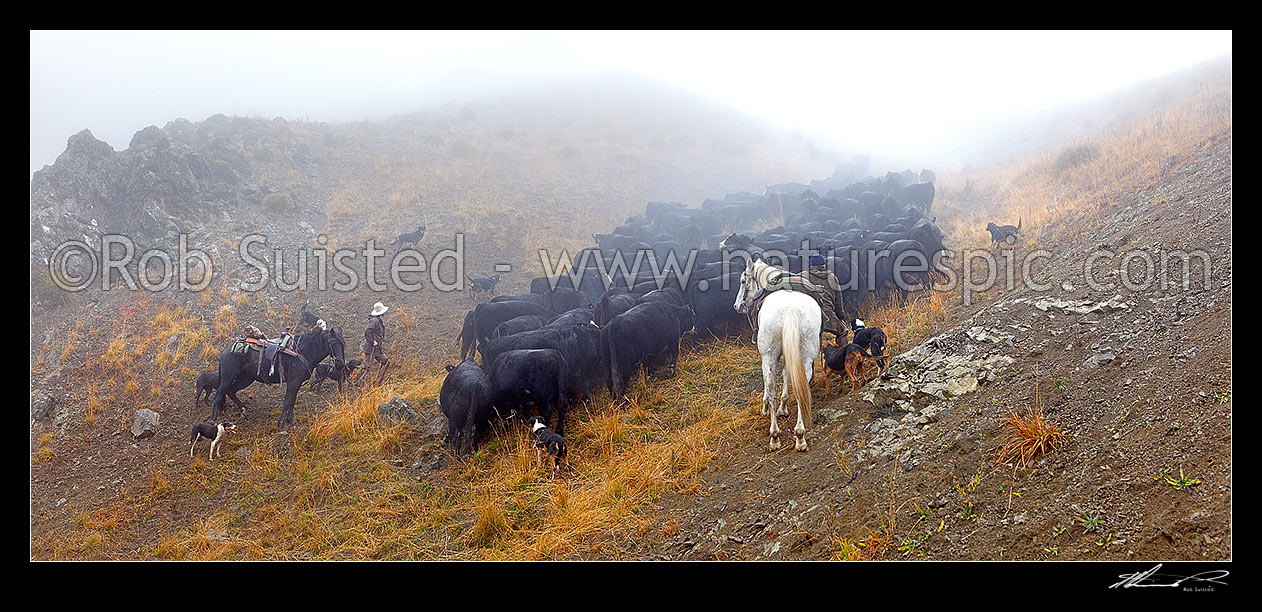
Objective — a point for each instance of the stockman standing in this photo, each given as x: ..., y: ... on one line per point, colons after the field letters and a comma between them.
x: 828, y: 296
x: 375, y: 340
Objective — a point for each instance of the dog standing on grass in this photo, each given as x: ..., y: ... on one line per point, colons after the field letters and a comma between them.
x: 546, y: 439
x: 214, y: 433
x: 411, y: 237
x: 482, y: 285
x: 1003, y: 234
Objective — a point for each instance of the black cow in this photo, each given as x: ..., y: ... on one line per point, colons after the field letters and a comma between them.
x: 563, y: 299
x: 523, y: 377
x: 570, y: 318
x: 540, y: 299
x: 918, y: 194
x: 906, y: 267
x: 670, y: 295
x: 466, y: 400
x: 589, y: 282
x: 712, y: 298
x: 647, y: 334
x: 517, y: 325
x: 579, y: 344
x: 482, y: 321
x: 613, y: 303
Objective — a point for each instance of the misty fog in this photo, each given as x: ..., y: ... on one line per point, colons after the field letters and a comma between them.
x: 942, y: 99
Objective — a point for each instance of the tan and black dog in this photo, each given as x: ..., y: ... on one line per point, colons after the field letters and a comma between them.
x: 847, y: 360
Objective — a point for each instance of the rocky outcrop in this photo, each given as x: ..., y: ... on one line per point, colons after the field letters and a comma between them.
x: 168, y: 180
x: 921, y: 385
x: 395, y: 411
x: 42, y: 406
x: 145, y: 425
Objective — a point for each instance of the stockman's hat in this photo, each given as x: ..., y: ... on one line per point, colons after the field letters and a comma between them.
x: 379, y: 308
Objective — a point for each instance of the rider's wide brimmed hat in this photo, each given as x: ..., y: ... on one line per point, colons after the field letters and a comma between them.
x: 379, y: 308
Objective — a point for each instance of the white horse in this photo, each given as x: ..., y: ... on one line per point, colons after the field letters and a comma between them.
x: 788, y: 323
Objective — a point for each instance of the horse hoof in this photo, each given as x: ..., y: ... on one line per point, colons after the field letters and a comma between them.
x: 775, y: 445
x: 283, y: 432
x: 800, y: 446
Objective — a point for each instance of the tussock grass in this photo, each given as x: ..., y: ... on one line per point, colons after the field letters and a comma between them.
x: 1030, y: 436
x: 328, y: 493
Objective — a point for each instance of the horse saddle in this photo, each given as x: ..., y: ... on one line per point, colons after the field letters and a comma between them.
x: 269, y: 347
x: 786, y: 281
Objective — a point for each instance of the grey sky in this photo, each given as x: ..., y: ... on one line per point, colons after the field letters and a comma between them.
x: 904, y: 94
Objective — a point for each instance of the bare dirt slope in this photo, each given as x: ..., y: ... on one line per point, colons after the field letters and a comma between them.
x: 1139, y: 379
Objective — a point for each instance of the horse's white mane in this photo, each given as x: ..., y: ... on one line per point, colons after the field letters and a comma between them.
x: 764, y: 273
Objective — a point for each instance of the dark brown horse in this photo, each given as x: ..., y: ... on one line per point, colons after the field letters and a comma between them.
x: 237, y: 371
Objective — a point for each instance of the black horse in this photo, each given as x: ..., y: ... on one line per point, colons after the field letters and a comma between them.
x: 237, y: 371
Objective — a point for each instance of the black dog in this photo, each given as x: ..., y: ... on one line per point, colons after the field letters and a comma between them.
x: 482, y: 285
x: 872, y: 339
x: 546, y: 439
x: 1003, y: 233
x: 208, y: 383
x: 326, y: 371
x: 311, y: 320
x: 214, y: 433
x: 412, y: 237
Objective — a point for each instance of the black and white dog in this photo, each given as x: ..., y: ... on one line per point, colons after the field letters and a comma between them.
x: 546, y: 439
x: 214, y: 433
x: 311, y: 320
x: 872, y: 339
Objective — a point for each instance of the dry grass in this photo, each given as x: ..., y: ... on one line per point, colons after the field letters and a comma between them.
x: 1053, y: 186
x: 1029, y: 435
x: 327, y: 493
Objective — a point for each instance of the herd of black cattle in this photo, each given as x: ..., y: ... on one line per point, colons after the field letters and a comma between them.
x: 627, y: 301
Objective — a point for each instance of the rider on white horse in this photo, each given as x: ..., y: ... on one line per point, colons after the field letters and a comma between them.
x: 788, y: 325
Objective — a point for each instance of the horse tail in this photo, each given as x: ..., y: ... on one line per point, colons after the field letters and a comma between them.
x: 1018, y: 223
x: 794, y: 370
